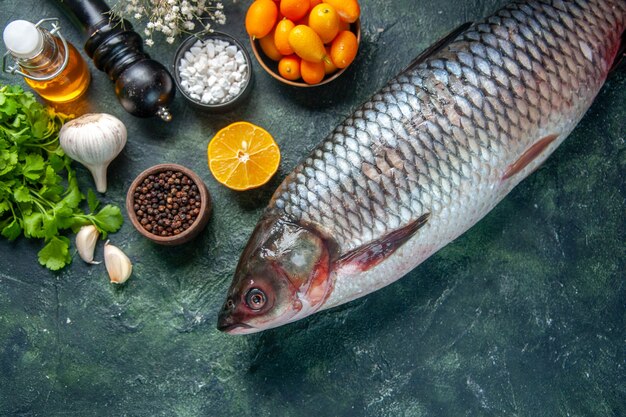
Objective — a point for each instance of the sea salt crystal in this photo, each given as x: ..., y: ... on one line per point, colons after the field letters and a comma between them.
x: 213, y: 71
x: 234, y: 90
x: 231, y: 50
x: 210, y: 50
x: 239, y: 59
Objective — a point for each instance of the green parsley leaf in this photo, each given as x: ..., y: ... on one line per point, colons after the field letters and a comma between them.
x: 50, y: 227
x: 8, y: 108
x: 22, y: 195
x: 4, y: 206
x: 92, y: 201
x: 108, y: 220
x: 56, y: 162
x: 33, y: 225
x: 65, y: 218
x: 33, y: 166
x: 73, y: 197
x: 12, y: 230
x: 56, y: 254
x: 8, y: 161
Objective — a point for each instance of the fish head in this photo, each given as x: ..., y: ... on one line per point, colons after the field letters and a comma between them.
x: 283, y: 275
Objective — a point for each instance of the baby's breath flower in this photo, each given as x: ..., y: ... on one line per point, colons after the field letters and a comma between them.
x: 171, y: 17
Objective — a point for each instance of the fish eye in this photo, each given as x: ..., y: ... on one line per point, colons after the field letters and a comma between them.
x: 255, y: 299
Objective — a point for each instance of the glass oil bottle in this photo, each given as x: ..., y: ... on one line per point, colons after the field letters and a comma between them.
x: 49, y: 64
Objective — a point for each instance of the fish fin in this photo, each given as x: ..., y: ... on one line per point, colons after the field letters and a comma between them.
x: 620, y: 62
x: 528, y: 156
x: 437, y: 46
x: 371, y: 254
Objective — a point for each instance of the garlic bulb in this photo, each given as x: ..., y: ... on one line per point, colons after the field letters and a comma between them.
x: 94, y: 140
x: 86, y: 239
x: 117, y: 263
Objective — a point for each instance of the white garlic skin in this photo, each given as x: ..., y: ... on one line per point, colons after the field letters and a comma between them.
x: 94, y: 140
x: 117, y: 264
x: 86, y: 239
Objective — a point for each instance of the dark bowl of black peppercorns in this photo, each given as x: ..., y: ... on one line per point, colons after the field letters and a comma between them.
x: 169, y: 204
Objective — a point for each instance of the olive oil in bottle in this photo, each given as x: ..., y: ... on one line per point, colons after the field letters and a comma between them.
x: 50, y: 65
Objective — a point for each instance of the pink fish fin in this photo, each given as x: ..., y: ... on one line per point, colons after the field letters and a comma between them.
x: 371, y: 254
x: 528, y: 156
x: 439, y: 45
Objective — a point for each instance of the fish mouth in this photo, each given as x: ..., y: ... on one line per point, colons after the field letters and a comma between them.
x: 226, y: 325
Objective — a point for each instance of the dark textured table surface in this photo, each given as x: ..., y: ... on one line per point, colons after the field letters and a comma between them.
x: 524, y: 315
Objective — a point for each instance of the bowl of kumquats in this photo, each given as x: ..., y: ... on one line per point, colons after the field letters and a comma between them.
x: 304, y: 43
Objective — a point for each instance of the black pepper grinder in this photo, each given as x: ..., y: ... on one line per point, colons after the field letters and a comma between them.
x: 143, y: 86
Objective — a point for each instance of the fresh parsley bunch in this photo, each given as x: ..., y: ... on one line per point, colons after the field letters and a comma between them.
x: 39, y: 194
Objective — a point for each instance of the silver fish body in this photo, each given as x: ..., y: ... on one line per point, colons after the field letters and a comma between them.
x: 448, y: 138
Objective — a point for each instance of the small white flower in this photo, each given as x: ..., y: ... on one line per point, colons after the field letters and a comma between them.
x: 171, y: 17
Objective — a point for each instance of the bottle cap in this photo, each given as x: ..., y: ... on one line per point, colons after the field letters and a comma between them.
x: 22, y: 39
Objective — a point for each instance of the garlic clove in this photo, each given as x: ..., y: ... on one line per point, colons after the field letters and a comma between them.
x: 94, y: 140
x: 117, y: 264
x: 86, y: 239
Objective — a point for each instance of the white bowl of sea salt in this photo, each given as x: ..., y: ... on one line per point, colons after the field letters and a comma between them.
x: 213, y: 71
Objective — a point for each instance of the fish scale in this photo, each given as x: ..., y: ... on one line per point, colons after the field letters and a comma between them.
x: 442, y: 136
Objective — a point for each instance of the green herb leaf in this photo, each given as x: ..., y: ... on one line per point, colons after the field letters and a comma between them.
x: 55, y: 255
x: 108, y: 220
x: 4, y: 206
x: 12, y: 231
x: 50, y: 227
x: 92, y: 201
x: 65, y: 218
x: 33, y: 166
x: 56, y: 162
x: 33, y: 225
x: 8, y: 161
x: 73, y: 197
x: 8, y: 108
x: 22, y: 195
